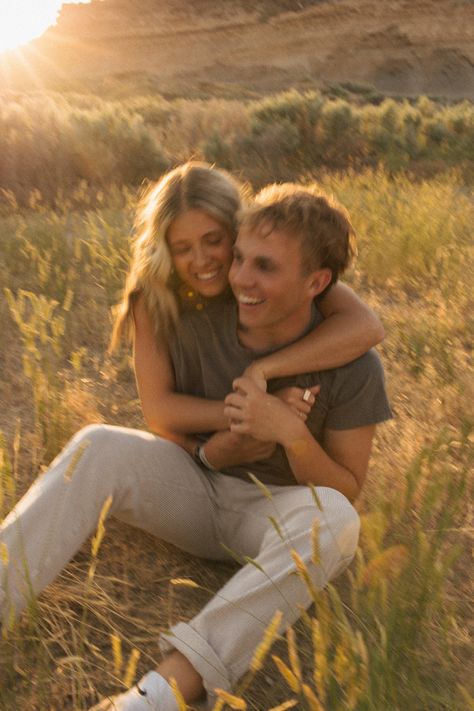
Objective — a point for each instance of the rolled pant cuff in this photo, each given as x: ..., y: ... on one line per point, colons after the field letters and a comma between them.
x: 198, y: 652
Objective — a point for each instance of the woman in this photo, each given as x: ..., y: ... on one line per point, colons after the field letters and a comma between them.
x: 182, y: 253
x: 181, y: 259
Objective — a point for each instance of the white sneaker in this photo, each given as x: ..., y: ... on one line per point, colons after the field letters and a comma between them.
x: 152, y: 693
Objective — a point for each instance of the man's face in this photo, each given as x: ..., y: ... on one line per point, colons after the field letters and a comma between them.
x: 273, y: 292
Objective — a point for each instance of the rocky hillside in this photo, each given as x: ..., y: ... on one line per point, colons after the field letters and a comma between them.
x: 397, y: 46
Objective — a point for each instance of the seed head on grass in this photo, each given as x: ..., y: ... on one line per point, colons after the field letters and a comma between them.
x: 303, y: 573
x: 290, y: 678
x: 99, y: 536
x: 276, y: 526
x: 313, y: 701
x: 4, y: 555
x: 293, y: 653
x: 235, y: 702
x: 184, y: 582
x: 387, y: 565
x: 315, y: 547
x: 182, y: 706
x: 291, y: 703
x: 316, y: 498
x: 117, y: 653
x: 131, y: 670
x: 341, y: 664
x: 68, y: 474
x: 265, y: 491
x: 268, y: 638
x: 320, y: 659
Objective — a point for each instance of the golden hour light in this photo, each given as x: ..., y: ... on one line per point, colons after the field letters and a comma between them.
x: 24, y: 20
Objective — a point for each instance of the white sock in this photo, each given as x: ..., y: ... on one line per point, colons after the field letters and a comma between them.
x: 158, y: 692
x: 152, y: 693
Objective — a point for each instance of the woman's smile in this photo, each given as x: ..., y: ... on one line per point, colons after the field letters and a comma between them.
x: 201, y: 250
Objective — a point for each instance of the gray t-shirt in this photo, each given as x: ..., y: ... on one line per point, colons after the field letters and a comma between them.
x: 207, y: 357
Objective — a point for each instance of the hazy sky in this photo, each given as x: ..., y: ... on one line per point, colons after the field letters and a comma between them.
x: 22, y: 20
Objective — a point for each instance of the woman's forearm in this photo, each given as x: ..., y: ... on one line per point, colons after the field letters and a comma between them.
x: 350, y: 328
x: 180, y: 414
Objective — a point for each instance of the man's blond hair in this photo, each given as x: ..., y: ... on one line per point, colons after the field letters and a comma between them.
x: 322, y: 225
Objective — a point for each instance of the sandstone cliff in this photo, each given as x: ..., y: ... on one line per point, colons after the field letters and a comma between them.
x: 398, y: 46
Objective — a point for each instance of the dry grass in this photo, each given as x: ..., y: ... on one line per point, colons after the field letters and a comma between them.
x: 80, y: 638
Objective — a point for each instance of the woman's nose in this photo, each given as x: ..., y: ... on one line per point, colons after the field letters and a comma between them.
x: 200, y: 255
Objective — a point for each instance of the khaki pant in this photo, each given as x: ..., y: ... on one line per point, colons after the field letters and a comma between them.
x: 156, y: 486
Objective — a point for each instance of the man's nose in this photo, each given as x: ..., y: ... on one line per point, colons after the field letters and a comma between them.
x: 242, y: 275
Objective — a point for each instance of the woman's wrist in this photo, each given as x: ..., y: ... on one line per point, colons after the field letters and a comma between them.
x: 200, y: 458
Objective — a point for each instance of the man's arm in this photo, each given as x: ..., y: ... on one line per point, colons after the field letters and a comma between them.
x: 341, y: 463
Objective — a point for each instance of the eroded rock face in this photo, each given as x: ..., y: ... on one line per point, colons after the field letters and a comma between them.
x: 398, y: 46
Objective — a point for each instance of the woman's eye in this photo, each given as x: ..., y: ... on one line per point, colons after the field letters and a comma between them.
x: 178, y: 251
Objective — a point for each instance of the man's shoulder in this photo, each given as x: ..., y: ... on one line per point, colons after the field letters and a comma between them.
x: 368, y: 363
x: 356, y: 393
x: 356, y: 374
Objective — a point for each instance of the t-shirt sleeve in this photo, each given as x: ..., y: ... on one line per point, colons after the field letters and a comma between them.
x: 358, y: 396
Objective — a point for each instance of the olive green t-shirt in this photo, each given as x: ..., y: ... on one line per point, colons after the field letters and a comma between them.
x: 207, y: 357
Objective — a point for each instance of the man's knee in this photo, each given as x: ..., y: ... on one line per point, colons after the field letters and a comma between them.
x: 334, y: 516
x: 95, y: 434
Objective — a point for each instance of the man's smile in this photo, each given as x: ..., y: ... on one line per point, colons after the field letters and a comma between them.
x: 249, y: 300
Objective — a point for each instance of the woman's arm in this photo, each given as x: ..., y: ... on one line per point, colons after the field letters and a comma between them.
x: 349, y: 329
x: 166, y: 412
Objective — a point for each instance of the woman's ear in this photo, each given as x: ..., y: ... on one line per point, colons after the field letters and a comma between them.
x: 319, y: 280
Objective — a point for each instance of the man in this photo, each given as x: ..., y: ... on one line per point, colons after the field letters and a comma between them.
x: 290, y: 248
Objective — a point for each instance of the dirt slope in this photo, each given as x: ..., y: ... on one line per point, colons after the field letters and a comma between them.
x: 397, y: 46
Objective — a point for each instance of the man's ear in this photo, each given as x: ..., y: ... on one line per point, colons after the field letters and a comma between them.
x: 318, y: 281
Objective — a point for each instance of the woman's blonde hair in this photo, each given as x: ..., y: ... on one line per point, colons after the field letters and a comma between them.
x: 193, y: 185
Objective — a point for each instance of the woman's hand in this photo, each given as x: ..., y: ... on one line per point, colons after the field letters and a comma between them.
x: 227, y: 449
x: 301, y: 400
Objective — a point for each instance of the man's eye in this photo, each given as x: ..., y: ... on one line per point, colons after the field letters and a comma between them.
x: 265, y: 266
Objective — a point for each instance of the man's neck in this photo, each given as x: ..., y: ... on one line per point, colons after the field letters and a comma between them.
x: 262, y: 340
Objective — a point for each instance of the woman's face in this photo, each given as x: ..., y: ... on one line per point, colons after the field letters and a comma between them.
x: 201, y: 251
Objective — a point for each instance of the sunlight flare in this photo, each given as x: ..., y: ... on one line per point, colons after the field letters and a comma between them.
x: 23, y: 20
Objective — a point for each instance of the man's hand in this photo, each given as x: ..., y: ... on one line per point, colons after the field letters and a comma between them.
x: 254, y: 412
x: 227, y: 449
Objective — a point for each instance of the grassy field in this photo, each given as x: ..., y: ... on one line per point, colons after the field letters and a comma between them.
x: 394, y: 632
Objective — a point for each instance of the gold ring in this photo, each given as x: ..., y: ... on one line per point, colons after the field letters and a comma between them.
x: 307, y: 395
